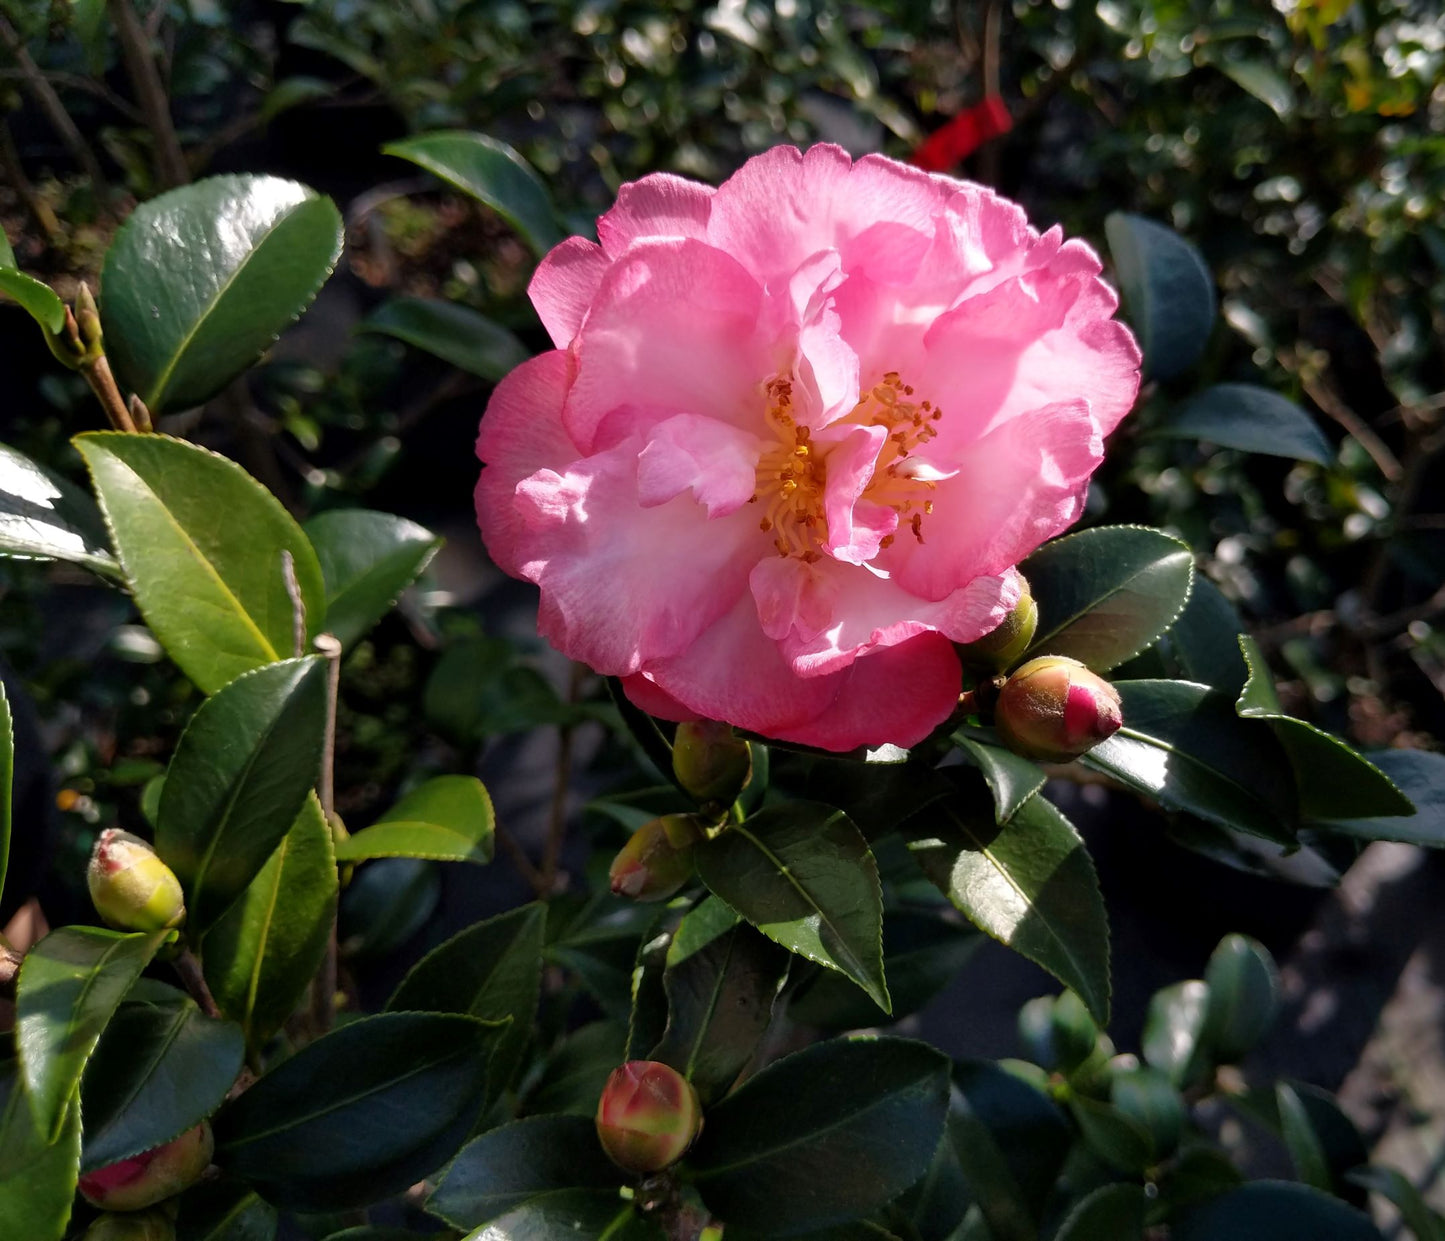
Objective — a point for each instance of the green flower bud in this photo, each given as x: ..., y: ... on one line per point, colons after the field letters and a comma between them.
x: 997, y: 650
x: 152, y: 1176
x: 1054, y: 709
x: 648, y: 1116
x: 133, y: 890
x: 710, y: 762
x: 139, y: 1226
x: 657, y: 861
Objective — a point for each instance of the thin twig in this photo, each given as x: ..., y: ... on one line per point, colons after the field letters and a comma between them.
x: 298, y: 604
x: 195, y: 982
x: 323, y: 994
x: 150, y: 93
x: 78, y: 81
x: 14, y: 171
x: 522, y: 862
x: 102, y: 382
x: 1322, y: 393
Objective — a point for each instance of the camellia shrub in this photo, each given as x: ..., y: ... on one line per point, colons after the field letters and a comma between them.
x: 796, y: 479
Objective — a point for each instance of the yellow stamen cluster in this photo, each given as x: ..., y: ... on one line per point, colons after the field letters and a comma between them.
x: 910, y: 426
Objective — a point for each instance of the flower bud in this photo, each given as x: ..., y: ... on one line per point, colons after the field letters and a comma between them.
x: 140, y: 1226
x: 87, y: 322
x: 153, y: 1175
x: 133, y: 890
x: 648, y: 1116
x: 657, y: 861
x: 997, y: 650
x: 710, y: 762
x: 1055, y: 709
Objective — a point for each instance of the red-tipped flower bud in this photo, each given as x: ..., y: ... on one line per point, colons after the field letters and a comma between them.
x: 710, y: 762
x: 133, y: 890
x: 1055, y: 709
x: 145, y: 1179
x: 140, y: 1226
x: 648, y: 1116
x: 657, y: 861
x: 999, y: 649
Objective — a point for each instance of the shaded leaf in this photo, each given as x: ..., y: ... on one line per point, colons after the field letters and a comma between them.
x: 45, y: 517
x: 367, y: 559
x: 1272, y: 1211
x: 1305, y: 1151
x: 455, y: 333
x: 1173, y: 1027
x: 1109, y: 1213
x: 1118, y: 1139
x: 1262, y: 80
x: 569, y: 1215
x: 577, y: 1069
x: 37, y: 1174
x: 7, y: 783
x: 1168, y: 292
x: 1420, y: 776
x: 36, y: 298
x: 447, y: 819
x: 224, y: 1210
x: 1252, y: 419
x: 1011, y: 778
x: 1204, y: 640
x: 386, y: 904
x: 1414, y: 1210
x: 1242, y: 997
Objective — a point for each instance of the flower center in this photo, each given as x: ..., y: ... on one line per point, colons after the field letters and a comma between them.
x: 792, y: 471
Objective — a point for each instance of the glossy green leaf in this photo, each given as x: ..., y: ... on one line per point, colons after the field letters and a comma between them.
x: 37, y: 299
x: 37, y: 1174
x: 1173, y: 1028
x: 360, y: 1114
x: 1204, y: 641
x: 1426, y: 1224
x: 1109, y: 1213
x: 1146, y: 1096
x: 803, y: 875
x: 502, y: 1169
x: 45, y: 517
x: 7, y: 783
x: 367, y: 559
x: 237, y: 781
x: 447, y: 819
x: 1119, y: 1140
x: 69, y: 985
x: 822, y: 1136
x: 490, y: 171
x: 1057, y: 1032
x: 1011, y: 778
x: 1252, y: 419
x: 1029, y: 884
x: 570, y: 1215
x: 1011, y: 1141
x: 453, y: 332
x: 492, y: 970
x: 1272, y: 1211
x: 1420, y: 776
x: 721, y: 980
x: 200, y: 280
x: 262, y: 953
x: 1168, y: 292
x: 224, y: 1210
x: 161, y: 1067
x: 201, y: 543
x: 1105, y: 594
x: 1183, y: 745
x: 1331, y: 779
x: 1242, y: 997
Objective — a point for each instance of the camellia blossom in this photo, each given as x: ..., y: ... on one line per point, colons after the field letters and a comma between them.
x: 796, y: 434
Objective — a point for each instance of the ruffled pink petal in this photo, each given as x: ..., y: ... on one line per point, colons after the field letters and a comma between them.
x: 647, y: 696
x: 563, y: 286
x: 521, y: 434
x: 716, y: 462
x: 793, y: 597
x: 1021, y: 484
x: 622, y: 584
x: 894, y: 696
x: 671, y: 331
x: 853, y: 532
x: 660, y: 205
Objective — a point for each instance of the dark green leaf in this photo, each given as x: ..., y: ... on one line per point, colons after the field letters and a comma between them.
x: 239, y: 778
x: 360, y: 1114
x: 1426, y: 1224
x: 479, y: 690
x: 261, y: 954
x: 201, y: 543
x: 1198, y: 1173
x: 1173, y: 1027
x: 1272, y: 1211
x: 577, y: 1069
x: 1420, y: 776
x: 936, y: 1204
x: 877, y: 796
x: 7, y: 782
x: 1332, y: 780
x: 201, y: 279
x: 1305, y: 1151
x: 1168, y: 292
x: 492, y: 970
x: 447, y: 819
x: 1242, y: 997
x: 35, y: 298
x: 490, y: 171
x: 387, y: 903
x: 1119, y: 1140
x: 823, y: 1136
x: 161, y: 1068
x: 600, y: 944
x: 1011, y: 1141
x: 1011, y: 778
x: 1184, y: 745
x: 1204, y: 641
x: 721, y: 980
x: 1030, y: 884
x: 44, y: 517
x: 7, y: 255
x: 1057, y: 1032
x: 570, y: 1215
x: 224, y: 1210
x: 1322, y: 1141
x: 1110, y: 1213
x: 1148, y: 1098
x: 1262, y: 80
x: 453, y: 332
x: 502, y: 1169
x: 37, y: 1174
x: 367, y: 559
x: 292, y: 92
x: 69, y: 985
x: 803, y: 875
x: 1252, y: 419
x: 1105, y: 594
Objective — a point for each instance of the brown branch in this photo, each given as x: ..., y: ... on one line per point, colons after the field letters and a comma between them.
x: 98, y: 375
x: 14, y: 172
x: 195, y: 982
x: 1323, y: 394
x: 78, y: 81
x: 150, y: 93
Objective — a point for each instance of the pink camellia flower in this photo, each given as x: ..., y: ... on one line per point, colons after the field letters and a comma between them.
x: 796, y: 433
